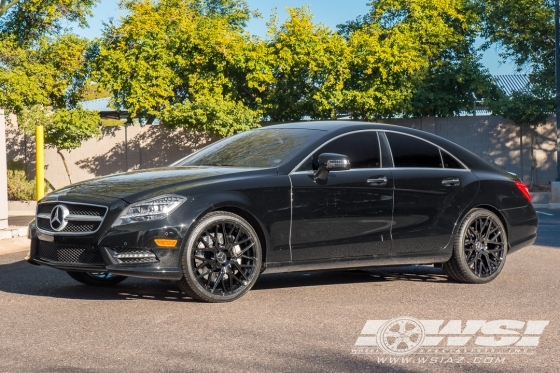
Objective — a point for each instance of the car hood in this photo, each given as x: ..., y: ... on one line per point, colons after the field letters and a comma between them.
x: 136, y: 185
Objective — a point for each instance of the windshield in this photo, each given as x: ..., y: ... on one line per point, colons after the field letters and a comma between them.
x: 262, y: 148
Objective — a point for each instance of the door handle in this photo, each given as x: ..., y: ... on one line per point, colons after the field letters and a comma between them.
x: 378, y: 181
x: 452, y: 181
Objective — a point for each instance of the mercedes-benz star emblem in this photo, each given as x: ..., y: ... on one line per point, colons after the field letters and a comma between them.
x: 58, y: 217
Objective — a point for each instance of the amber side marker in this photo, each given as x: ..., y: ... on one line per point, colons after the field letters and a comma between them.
x: 165, y: 243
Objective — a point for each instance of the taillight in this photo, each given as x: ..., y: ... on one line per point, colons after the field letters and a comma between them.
x: 523, y: 188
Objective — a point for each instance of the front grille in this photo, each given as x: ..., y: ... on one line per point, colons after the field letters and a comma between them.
x: 75, y: 209
x: 69, y: 253
x: 129, y: 255
x: 82, y: 219
x: 72, y: 226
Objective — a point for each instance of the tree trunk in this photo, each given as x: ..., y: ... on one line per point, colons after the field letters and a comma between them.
x: 65, y: 165
x: 533, y: 157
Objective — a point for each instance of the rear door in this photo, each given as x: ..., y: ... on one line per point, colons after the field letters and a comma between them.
x: 431, y: 190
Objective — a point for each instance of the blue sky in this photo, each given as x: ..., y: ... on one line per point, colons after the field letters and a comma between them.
x: 328, y: 12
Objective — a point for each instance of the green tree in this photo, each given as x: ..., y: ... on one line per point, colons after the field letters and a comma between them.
x: 190, y: 68
x: 449, y: 86
x: 65, y: 129
x: 29, y: 20
x: 524, y: 31
x: 309, y: 64
x: 392, y: 50
x: 43, y: 71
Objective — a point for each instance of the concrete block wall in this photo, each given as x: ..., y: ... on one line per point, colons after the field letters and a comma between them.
x: 135, y: 147
x: 118, y: 149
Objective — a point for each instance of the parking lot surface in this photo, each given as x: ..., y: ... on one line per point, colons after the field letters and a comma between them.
x: 299, y: 322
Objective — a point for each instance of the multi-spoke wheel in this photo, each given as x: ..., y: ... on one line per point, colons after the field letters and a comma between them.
x: 97, y: 278
x: 222, y: 259
x: 480, y: 248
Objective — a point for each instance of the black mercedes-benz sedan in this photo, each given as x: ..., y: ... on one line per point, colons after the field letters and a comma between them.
x: 292, y: 197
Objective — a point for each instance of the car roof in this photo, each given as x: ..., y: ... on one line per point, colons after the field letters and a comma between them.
x: 331, y: 125
x: 343, y: 126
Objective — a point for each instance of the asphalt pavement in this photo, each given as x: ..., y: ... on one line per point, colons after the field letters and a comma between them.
x: 21, y: 221
x: 300, y: 322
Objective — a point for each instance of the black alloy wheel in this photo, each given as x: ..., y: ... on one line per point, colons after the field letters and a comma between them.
x: 480, y: 248
x: 97, y: 278
x: 222, y: 259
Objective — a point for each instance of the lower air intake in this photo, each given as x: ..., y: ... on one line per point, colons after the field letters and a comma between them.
x: 69, y: 253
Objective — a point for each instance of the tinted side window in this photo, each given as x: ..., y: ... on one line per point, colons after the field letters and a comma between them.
x: 412, y: 152
x: 449, y: 161
x: 361, y: 148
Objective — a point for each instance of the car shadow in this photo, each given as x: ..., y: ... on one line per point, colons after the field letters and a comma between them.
x: 338, y: 277
x: 22, y: 278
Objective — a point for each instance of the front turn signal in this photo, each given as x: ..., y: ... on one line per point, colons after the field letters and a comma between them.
x: 161, y: 242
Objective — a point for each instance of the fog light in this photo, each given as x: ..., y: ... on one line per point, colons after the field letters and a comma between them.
x: 165, y: 242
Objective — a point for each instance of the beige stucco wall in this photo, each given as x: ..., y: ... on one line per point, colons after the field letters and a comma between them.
x: 491, y: 137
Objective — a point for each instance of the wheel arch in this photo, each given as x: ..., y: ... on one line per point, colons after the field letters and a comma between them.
x: 257, y: 225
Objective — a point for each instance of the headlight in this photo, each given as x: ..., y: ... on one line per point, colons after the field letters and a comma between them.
x: 150, y: 209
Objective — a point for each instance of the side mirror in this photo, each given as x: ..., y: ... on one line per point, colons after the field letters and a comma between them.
x: 331, y: 162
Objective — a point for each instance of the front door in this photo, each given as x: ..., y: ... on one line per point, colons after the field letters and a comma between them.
x: 350, y: 215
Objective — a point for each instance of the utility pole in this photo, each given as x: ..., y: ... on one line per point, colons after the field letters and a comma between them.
x: 3, y: 174
x: 39, y: 162
x: 557, y: 54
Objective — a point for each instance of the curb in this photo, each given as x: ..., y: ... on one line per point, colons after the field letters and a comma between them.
x: 550, y: 206
x: 14, y: 245
x: 13, y: 232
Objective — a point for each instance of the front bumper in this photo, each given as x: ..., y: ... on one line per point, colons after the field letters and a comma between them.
x: 126, y: 251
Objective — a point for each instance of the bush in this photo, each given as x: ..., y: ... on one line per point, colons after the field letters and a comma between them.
x: 19, y: 188
x: 16, y: 165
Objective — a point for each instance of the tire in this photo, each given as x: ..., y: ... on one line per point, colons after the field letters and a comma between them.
x: 97, y: 278
x: 220, y: 267
x: 479, y: 248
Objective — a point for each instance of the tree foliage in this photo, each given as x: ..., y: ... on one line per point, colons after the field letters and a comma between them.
x: 309, y: 65
x: 528, y: 108
x: 43, y: 70
x: 191, y: 69
x: 524, y: 29
x: 392, y: 45
x: 29, y: 20
x: 52, y: 73
x: 190, y: 63
x: 450, y: 86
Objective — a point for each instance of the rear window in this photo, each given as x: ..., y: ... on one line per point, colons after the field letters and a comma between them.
x: 262, y: 148
x: 412, y: 152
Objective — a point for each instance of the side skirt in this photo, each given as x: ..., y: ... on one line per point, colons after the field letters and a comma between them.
x: 352, y: 263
